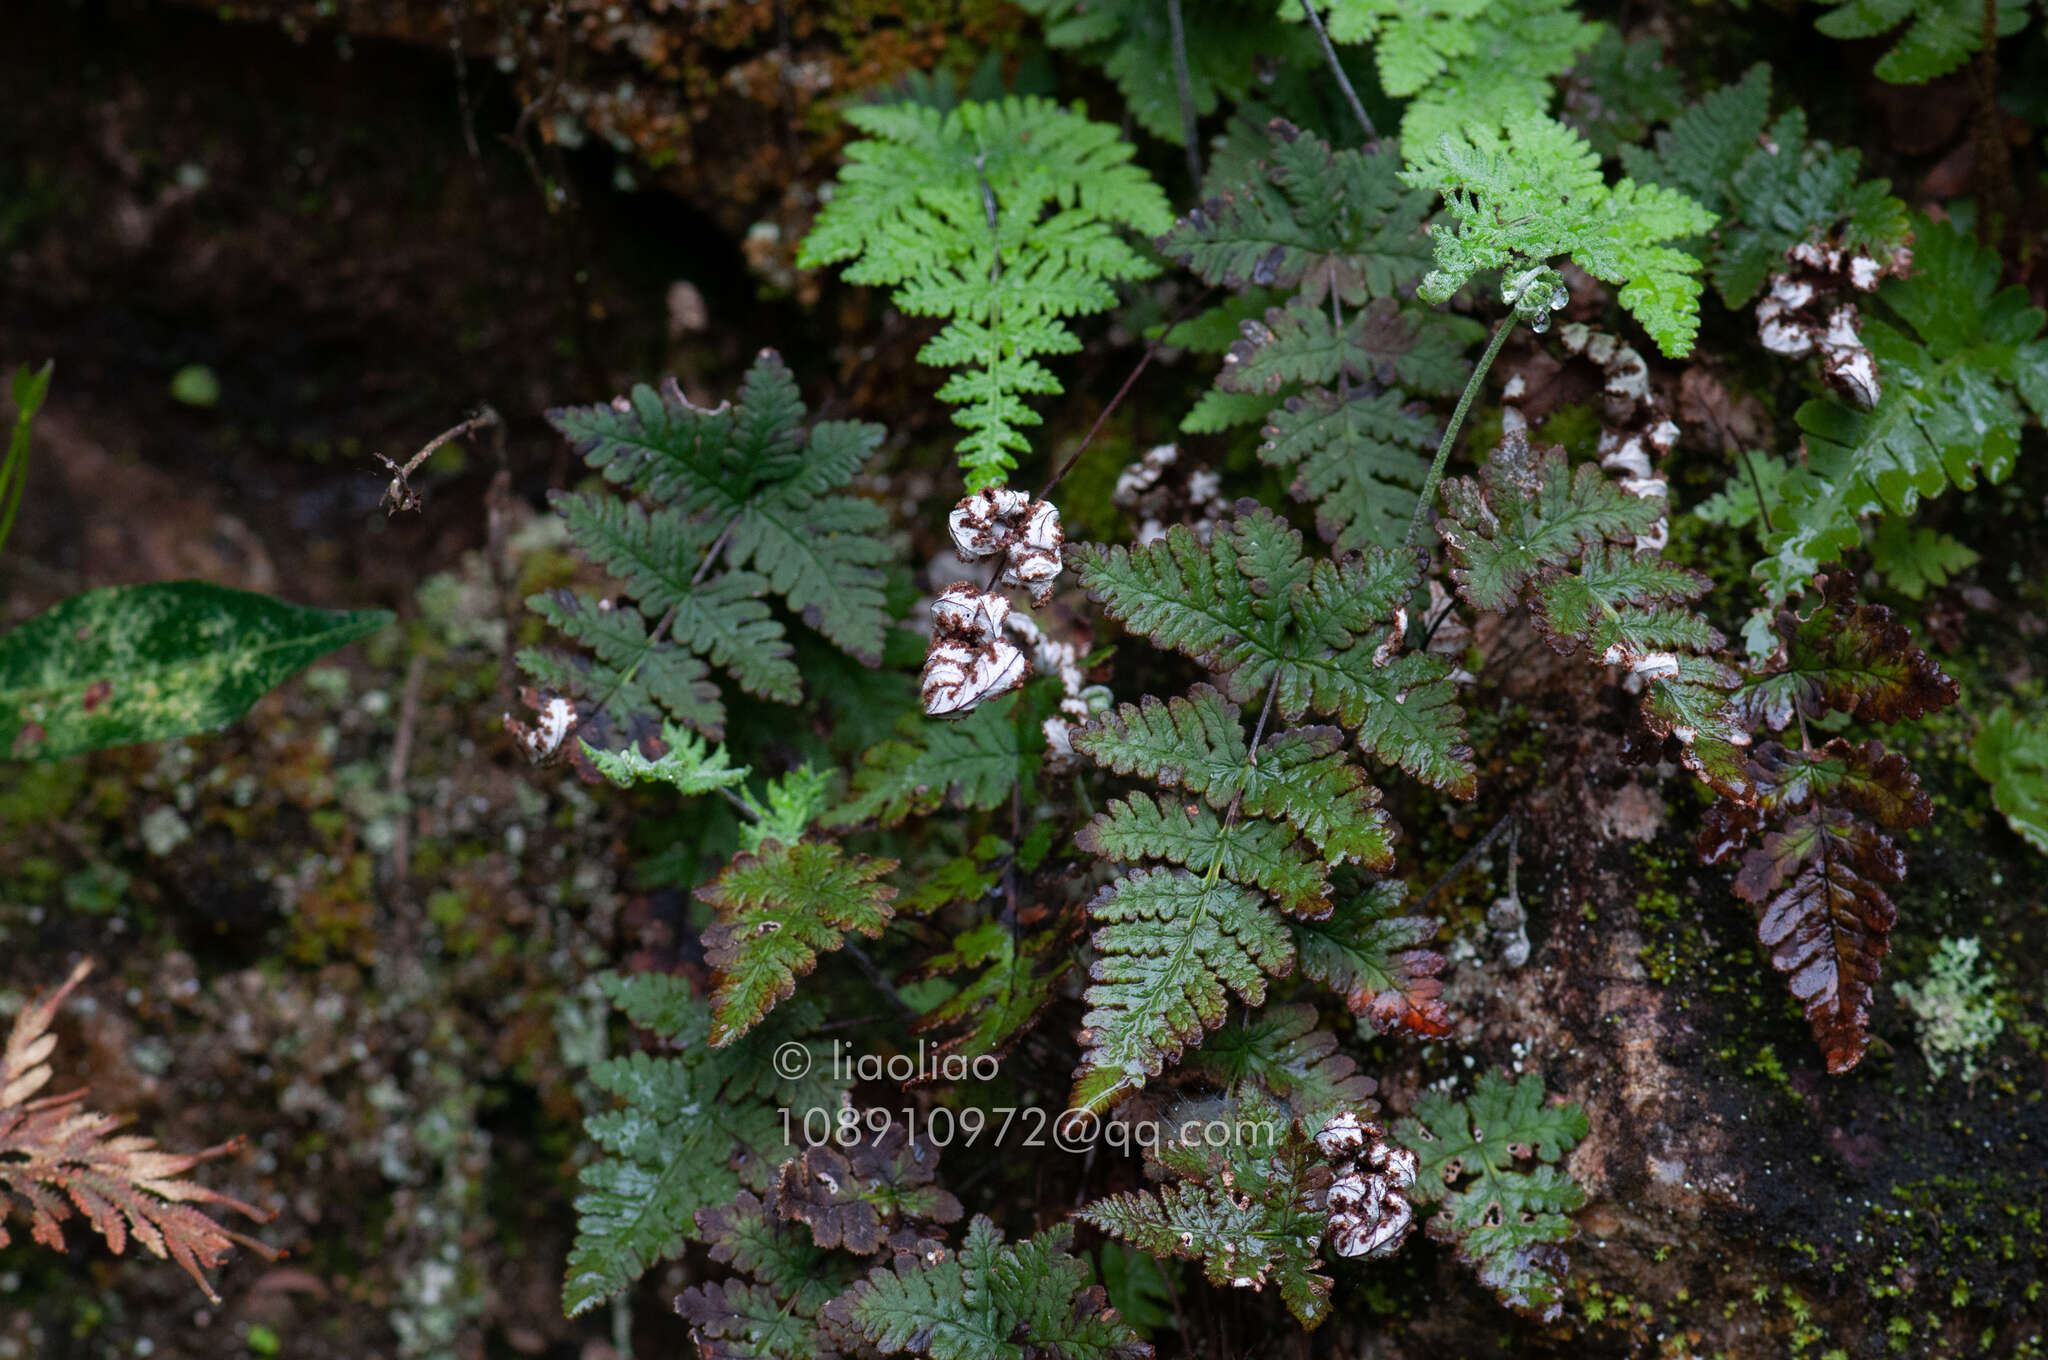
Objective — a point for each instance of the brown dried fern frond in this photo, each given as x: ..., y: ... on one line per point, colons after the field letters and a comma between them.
x: 56, y: 1156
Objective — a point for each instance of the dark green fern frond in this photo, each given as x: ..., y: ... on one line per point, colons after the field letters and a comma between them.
x: 733, y: 506
x: 1507, y: 1223
x: 1939, y: 36
x: 692, y: 1129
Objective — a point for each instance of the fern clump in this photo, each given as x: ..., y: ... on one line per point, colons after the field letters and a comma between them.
x: 1506, y: 1222
x: 1252, y: 1197
x: 978, y: 1303
x: 1527, y: 195
x: 1002, y: 218
x: 1460, y: 62
x: 720, y: 508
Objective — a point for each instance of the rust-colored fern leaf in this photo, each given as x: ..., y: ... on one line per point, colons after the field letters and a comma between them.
x: 57, y: 1157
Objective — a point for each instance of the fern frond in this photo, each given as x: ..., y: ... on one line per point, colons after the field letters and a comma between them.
x: 1301, y: 777
x: 1001, y: 217
x: 1259, y: 854
x: 1283, y: 1052
x: 1170, y: 947
x: 977, y: 759
x: 57, y: 1158
x: 1020, y: 975
x: 741, y: 486
x: 1535, y: 193
x: 777, y: 911
x: 1508, y: 1223
x: 1362, y: 460
x: 1376, y: 958
x: 776, y: 1313
x: 977, y: 1303
x: 688, y: 764
x: 692, y: 1129
x: 1316, y: 220
x: 1382, y: 342
x: 1253, y: 1210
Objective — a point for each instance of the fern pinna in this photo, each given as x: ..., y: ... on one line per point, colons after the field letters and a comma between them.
x: 727, y: 505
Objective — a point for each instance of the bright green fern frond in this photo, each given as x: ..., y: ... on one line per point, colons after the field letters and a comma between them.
x: 1001, y: 217
x: 1506, y: 1222
x: 688, y: 764
x: 777, y: 911
x: 1536, y: 193
x: 1954, y: 382
x: 1517, y: 48
x: 1940, y: 35
x: 1170, y: 946
x: 986, y: 1301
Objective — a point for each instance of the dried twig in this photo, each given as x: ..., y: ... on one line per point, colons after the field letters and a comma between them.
x: 400, y: 495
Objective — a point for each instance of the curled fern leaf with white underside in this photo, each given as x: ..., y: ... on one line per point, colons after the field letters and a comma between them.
x: 1002, y: 218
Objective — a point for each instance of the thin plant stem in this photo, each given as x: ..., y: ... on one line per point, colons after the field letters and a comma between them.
x: 1337, y: 67
x: 1443, y: 450
x: 1184, y: 87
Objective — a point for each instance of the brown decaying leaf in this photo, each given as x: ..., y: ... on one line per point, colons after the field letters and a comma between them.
x: 876, y: 1192
x: 1855, y: 658
x: 57, y: 1157
x: 1826, y: 919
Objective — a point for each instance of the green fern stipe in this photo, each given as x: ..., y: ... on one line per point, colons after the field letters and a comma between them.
x: 1249, y: 605
x: 1506, y: 1222
x: 733, y: 505
x: 1535, y: 193
x: 777, y: 911
x: 1001, y: 218
x: 1462, y: 61
x: 691, y: 1130
x: 987, y: 1301
x: 1959, y: 378
x: 1940, y: 34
